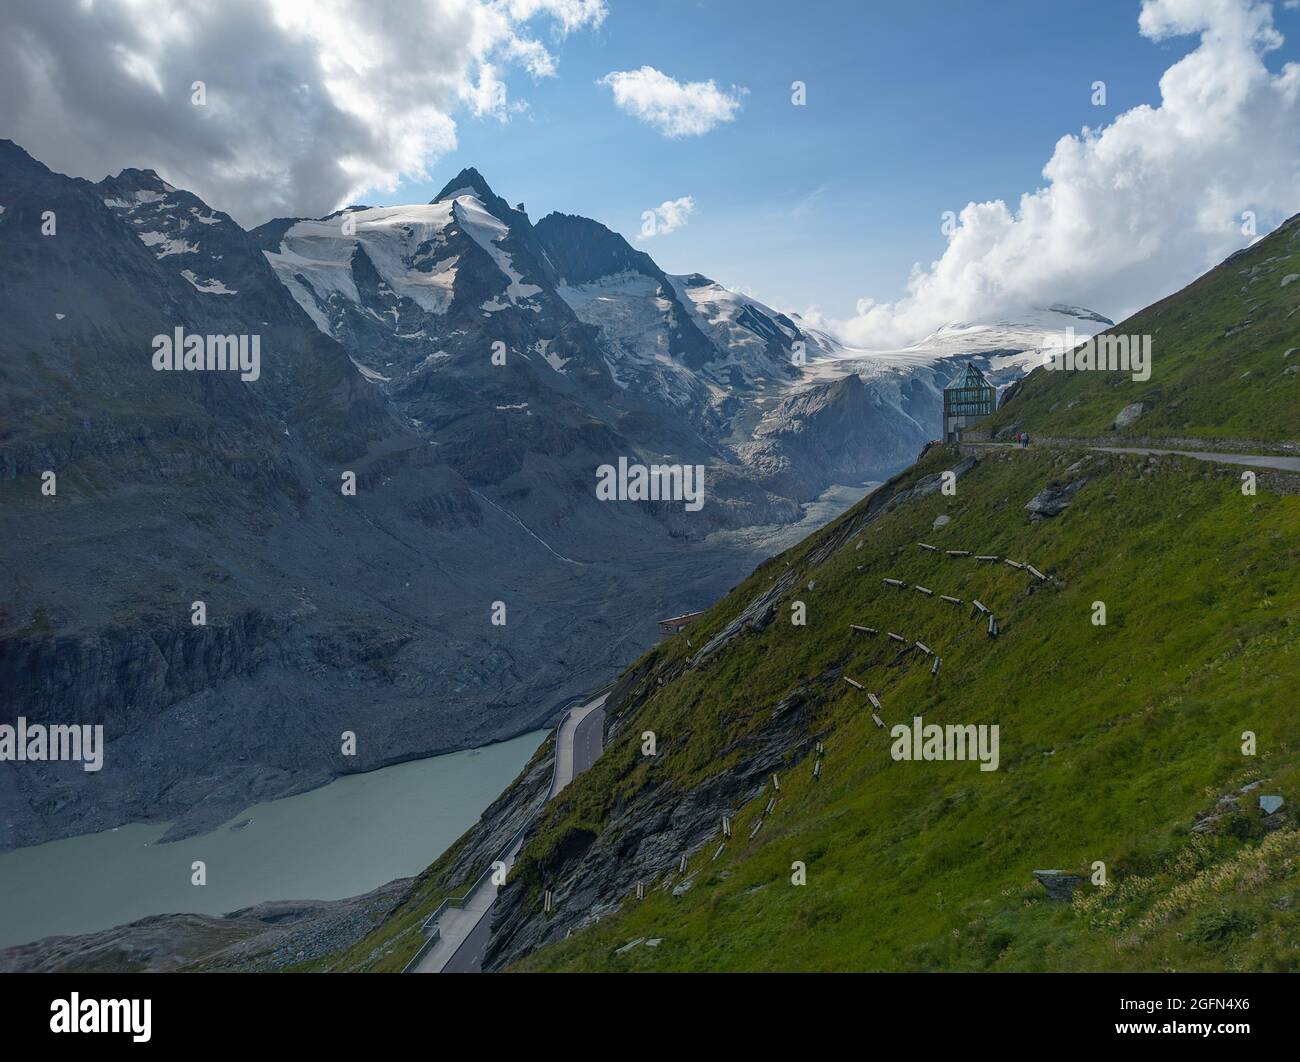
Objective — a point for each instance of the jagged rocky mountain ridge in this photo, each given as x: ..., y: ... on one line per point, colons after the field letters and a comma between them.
x: 419, y: 294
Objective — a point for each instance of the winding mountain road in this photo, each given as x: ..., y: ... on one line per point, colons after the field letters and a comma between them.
x: 586, y: 744
x: 465, y: 932
x: 1277, y: 461
x: 1284, y: 464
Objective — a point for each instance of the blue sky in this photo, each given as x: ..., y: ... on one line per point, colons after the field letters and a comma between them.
x: 912, y: 109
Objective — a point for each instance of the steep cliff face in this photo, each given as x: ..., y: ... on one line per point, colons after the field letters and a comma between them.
x: 596, y: 870
x: 595, y: 265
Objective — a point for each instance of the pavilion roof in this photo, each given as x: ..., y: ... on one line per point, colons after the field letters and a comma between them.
x: 969, y: 377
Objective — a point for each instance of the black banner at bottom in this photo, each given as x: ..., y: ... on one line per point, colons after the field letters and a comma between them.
x: 509, y: 1012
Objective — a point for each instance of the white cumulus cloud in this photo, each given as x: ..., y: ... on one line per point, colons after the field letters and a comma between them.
x: 1137, y: 209
x: 668, y: 216
x: 570, y: 14
x: 310, y: 103
x: 675, y: 108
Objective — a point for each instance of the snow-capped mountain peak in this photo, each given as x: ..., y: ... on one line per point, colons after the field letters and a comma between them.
x: 420, y: 294
x: 468, y: 182
x: 178, y: 226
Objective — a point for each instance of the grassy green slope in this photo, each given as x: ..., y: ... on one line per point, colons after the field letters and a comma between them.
x: 1112, y: 739
x: 1219, y: 361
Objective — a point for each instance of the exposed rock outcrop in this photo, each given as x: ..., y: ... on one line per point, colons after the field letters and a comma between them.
x: 591, y: 874
x: 1059, y: 885
x: 1054, y: 499
x: 1129, y: 414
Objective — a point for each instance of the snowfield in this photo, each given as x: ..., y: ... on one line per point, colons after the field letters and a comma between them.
x: 401, y: 242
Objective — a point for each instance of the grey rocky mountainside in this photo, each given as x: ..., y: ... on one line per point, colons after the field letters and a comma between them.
x: 370, y: 614
x: 325, y: 613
